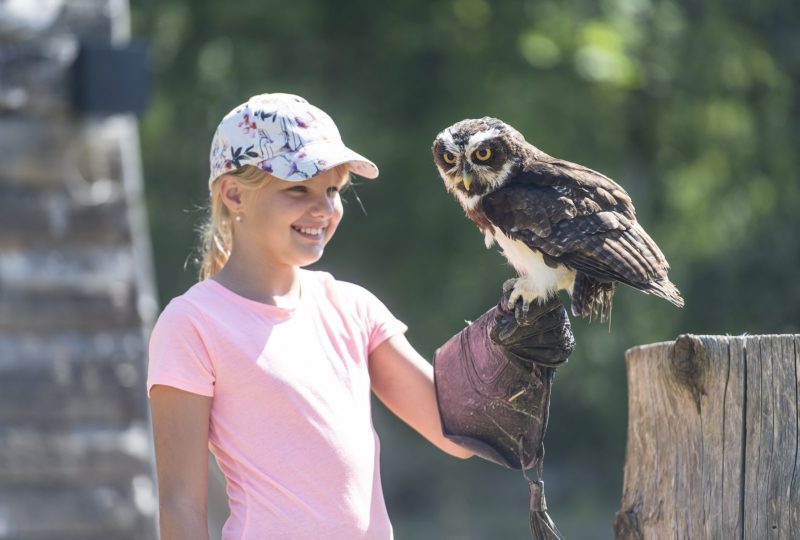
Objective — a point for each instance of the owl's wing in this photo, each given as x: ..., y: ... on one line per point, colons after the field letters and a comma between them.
x: 580, y: 218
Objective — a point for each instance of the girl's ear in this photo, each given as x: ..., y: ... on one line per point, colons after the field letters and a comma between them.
x: 230, y: 191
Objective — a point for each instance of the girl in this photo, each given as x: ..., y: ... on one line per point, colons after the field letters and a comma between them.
x: 271, y: 366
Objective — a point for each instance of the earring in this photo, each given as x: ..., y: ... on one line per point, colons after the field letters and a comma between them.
x: 238, y: 218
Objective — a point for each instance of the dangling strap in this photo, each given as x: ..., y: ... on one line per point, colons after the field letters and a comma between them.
x: 542, y: 527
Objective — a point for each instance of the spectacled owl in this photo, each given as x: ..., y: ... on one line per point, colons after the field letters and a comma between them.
x: 560, y: 225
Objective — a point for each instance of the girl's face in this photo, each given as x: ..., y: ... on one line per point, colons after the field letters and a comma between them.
x: 290, y: 222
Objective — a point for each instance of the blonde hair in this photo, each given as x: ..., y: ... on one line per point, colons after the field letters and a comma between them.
x: 216, y: 234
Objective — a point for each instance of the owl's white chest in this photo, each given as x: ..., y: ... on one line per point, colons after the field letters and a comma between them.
x: 542, y: 280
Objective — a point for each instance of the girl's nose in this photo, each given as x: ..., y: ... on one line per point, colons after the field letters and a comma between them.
x: 323, y: 205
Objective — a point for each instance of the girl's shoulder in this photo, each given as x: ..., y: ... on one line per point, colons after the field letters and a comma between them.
x: 190, y: 307
x: 344, y: 296
x: 321, y: 282
x: 355, y: 304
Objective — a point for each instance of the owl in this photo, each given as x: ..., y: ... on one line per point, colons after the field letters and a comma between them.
x: 560, y: 225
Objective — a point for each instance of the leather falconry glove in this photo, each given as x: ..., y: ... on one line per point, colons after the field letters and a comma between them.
x: 493, y: 383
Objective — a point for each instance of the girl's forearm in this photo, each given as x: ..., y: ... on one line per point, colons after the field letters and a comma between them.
x: 182, y: 523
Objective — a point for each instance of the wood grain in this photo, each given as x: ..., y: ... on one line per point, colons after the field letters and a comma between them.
x: 712, y: 440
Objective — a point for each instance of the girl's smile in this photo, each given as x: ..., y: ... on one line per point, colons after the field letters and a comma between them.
x: 288, y: 224
x: 312, y: 233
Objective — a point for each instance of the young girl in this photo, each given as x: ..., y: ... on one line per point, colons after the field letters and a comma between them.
x: 271, y: 366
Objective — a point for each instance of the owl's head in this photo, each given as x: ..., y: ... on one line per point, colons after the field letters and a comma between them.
x: 476, y: 156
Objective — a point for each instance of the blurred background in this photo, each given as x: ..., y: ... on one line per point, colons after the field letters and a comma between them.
x: 692, y: 107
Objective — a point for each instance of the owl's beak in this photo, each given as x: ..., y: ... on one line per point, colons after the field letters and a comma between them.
x: 466, y: 179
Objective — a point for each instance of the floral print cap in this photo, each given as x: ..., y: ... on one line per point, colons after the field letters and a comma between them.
x: 285, y: 136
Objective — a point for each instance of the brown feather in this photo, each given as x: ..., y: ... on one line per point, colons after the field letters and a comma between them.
x: 574, y: 216
x: 584, y: 220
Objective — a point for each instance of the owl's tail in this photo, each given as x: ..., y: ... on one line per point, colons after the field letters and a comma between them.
x: 592, y: 299
x: 665, y: 289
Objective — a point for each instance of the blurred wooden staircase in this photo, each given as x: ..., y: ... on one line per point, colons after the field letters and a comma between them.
x: 77, y: 292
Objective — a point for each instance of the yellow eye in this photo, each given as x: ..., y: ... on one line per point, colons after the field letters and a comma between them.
x: 483, y: 154
x: 449, y: 158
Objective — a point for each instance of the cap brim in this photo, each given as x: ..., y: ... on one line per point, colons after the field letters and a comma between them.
x: 317, y: 158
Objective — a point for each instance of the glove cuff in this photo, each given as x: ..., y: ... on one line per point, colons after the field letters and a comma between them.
x: 490, y: 403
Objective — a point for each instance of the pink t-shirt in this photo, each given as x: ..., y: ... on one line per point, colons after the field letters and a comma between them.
x: 291, y: 423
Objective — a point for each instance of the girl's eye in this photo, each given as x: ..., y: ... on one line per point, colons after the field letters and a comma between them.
x: 341, y: 186
x: 299, y: 189
x: 333, y: 189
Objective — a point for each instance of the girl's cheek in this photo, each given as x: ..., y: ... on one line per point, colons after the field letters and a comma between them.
x: 338, y: 212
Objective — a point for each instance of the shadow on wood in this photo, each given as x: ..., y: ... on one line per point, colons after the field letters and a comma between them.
x: 712, y: 446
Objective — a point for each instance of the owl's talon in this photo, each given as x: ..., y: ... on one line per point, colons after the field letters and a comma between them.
x: 509, y: 284
x: 512, y: 298
x: 520, y: 291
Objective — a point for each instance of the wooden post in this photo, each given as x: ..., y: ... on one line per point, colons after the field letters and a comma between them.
x: 712, y: 439
x: 76, y: 290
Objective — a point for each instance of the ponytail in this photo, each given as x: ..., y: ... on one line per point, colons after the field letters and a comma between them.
x: 216, y: 234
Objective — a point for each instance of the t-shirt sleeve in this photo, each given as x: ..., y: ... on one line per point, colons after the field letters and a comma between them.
x: 178, y: 355
x: 381, y: 324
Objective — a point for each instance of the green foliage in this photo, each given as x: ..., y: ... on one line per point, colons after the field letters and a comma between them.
x: 692, y: 107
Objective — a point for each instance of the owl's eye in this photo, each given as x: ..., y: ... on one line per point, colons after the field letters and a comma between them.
x: 483, y: 154
x: 449, y: 158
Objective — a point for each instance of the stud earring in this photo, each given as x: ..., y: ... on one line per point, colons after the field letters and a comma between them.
x: 238, y: 218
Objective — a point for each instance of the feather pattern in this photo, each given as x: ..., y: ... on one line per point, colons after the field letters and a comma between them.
x: 583, y: 220
x: 560, y: 224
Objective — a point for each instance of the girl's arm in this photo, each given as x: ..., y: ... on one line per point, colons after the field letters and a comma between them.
x: 403, y: 381
x: 180, y: 430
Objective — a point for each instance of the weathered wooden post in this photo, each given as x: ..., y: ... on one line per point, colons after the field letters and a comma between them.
x: 712, y: 439
x: 76, y: 286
